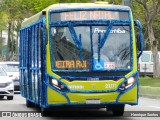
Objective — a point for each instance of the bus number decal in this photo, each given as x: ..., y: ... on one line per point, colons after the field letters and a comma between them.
x: 109, y: 65
x: 110, y: 86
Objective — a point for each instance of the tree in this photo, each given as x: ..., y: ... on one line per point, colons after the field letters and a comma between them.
x: 14, y: 11
x: 10, y: 8
x: 3, y: 23
x: 151, y: 8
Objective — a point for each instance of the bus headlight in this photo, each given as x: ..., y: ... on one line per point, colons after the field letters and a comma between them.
x: 55, y: 83
x: 128, y: 83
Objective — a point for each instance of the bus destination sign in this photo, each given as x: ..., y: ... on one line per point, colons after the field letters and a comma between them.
x: 86, y: 15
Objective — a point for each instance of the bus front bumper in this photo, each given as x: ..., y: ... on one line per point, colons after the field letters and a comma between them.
x: 129, y: 96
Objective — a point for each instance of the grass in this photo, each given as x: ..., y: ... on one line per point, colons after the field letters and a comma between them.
x: 147, y: 81
x: 151, y: 91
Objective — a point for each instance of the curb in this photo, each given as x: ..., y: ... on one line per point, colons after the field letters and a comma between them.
x: 151, y: 92
x: 150, y: 96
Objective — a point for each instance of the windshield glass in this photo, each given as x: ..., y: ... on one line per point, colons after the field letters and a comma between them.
x: 115, y: 53
x: 84, y: 53
x: 67, y: 55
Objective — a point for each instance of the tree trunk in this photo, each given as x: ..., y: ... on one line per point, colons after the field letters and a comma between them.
x: 154, y: 47
x: 1, y: 41
x: 17, y: 36
x: 8, y: 42
x: 12, y: 39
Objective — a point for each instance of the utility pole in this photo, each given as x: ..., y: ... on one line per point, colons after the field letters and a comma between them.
x: 94, y: 1
x: 126, y: 2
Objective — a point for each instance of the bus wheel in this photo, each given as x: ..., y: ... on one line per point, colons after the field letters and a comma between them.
x: 44, y: 112
x: 117, y: 110
x: 29, y: 104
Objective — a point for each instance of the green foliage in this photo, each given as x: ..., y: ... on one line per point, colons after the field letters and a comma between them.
x: 139, y: 13
x: 147, y: 81
x: 3, y: 20
x: 156, y: 26
x: 73, y: 1
x: 117, y: 2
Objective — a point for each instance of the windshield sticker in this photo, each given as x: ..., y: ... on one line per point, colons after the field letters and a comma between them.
x: 109, y: 65
x: 116, y: 31
x: 71, y: 64
x: 98, y: 65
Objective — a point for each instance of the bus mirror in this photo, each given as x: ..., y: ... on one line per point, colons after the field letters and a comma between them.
x: 138, y: 41
x: 139, y: 36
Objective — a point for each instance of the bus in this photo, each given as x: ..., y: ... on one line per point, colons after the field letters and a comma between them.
x: 80, y: 55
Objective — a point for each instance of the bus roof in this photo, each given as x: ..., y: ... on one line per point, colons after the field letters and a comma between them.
x: 66, y: 6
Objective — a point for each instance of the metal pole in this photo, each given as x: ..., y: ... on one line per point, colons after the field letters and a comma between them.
x: 126, y: 2
x: 93, y: 1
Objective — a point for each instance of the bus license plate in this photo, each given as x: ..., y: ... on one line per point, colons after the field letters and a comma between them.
x: 93, y: 101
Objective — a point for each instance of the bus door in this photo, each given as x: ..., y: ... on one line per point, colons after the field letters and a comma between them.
x: 35, y: 56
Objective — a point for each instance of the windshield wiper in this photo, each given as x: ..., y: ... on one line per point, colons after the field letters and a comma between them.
x: 76, y: 39
x: 101, y: 41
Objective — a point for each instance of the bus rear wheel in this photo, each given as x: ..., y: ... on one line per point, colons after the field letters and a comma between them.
x: 117, y: 110
x: 29, y: 104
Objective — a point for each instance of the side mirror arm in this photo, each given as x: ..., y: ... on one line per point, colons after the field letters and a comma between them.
x: 138, y: 24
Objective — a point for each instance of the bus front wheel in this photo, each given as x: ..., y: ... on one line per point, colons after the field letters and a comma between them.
x: 44, y: 112
x: 117, y: 110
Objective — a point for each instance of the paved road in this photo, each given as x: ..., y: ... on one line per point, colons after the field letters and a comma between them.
x: 145, y: 104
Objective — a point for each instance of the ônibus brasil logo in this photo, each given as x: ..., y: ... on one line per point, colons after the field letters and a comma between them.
x: 118, y: 30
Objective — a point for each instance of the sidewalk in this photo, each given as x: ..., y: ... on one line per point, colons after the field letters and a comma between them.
x: 147, y: 91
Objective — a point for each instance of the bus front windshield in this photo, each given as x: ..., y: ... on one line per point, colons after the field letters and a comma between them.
x: 82, y: 51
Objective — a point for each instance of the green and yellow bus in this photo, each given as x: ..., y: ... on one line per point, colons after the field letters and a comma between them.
x: 81, y: 55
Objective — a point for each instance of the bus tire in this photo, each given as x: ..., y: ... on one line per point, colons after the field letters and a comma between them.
x: 44, y: 112
x: 29, y: 104
x: 117, y: 110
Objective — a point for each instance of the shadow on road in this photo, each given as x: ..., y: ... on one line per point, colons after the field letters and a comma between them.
x: 80, y: 114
